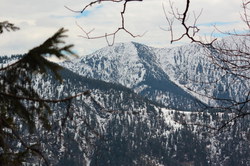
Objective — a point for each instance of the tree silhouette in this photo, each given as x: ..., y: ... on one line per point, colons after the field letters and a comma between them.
x: 22, y: 110
x: 5, y: 25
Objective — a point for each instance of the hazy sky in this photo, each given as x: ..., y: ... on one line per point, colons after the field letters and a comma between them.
x: 40, y: 19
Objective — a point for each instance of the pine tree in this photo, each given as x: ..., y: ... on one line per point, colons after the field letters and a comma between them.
x: 21, y: 107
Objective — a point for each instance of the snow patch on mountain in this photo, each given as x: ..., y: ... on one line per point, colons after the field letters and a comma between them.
x: 122, y: 57
x: 166, y: 75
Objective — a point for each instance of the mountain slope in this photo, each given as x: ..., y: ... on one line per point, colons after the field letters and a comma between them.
x: 165, y: 75
x: 124, y: 128
x: 127, y: 129
x: 191, y: 68
x: 135, y: 66
x: 114, y: 126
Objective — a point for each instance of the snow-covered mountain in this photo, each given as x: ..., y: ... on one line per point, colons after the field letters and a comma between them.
x: 119, y: 124
x: 166, y: 75
x: 191, y: 68
x: 115, y: 126
x: 137, y: 67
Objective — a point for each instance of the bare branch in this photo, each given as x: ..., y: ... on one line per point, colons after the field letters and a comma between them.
x: 190, y: 31
x: 233, y: 59
x: 107, y: 35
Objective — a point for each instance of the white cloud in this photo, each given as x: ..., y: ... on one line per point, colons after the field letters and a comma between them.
x: 40, y: 19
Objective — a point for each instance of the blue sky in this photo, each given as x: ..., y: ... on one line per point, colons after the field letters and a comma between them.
x: 83, y: 14
x: 87, y: 13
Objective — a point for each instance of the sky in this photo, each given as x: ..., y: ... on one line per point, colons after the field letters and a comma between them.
x: 39, y: 20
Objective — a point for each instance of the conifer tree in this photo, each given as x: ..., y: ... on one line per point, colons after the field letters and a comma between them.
x: 22, y: 110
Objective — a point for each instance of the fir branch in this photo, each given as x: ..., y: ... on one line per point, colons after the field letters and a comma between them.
x: 7, y: 26
x: 35, y: 59
x: 50, y: 46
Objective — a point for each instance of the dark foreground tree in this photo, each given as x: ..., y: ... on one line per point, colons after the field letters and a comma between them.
x: 22, y: 110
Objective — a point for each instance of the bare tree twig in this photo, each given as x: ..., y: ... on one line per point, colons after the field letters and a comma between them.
x: 107, y: 35
x: 234, y: 60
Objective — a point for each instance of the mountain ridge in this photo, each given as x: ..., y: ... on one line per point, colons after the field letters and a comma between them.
x: 115, y: 126
x: 135, y: 66
x: 140, y: 67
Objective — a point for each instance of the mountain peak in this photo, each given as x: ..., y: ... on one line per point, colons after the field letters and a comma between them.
x: 135, y: 66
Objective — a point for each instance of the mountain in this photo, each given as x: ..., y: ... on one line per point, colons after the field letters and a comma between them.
x: 164, y: 75
x: 191, y: 67
x: 115, y: 126
x: 137, y: 67
x: 121, y: 125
